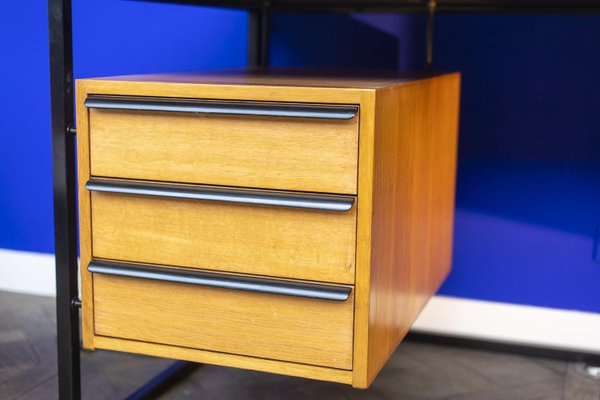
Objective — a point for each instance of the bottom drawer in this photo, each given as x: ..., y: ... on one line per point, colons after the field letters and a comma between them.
x: 266, y: 325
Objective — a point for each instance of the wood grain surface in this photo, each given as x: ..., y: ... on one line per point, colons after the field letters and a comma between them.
x: 268, y: 326
x: 362, y: 284
x: 262, y: 240
x: 414, y: 167
x: 300, y: 78
x: 304, y: 154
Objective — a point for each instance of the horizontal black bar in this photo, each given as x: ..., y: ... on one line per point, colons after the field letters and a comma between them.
x: 262, y: 109
x: 228, y: 195
x: 446, y: 6
x: 441, y: 5
x: 224, y: 281
x: 164, y: 381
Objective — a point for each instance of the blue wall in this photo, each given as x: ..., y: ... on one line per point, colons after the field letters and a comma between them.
x: 528, y: 193
x: 110, y: 37
x: 528, y: 190
x: 25, y: 174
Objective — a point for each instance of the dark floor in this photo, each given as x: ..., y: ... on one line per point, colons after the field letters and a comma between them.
x: 416, y: 371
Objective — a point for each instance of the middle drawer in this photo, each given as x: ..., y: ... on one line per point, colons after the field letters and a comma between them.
x: 280, y: 240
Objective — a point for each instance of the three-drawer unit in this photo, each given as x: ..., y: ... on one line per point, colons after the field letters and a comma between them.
x: 294, y: 224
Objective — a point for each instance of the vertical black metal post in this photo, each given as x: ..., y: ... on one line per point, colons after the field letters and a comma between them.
x: 431, y: 6
x: 258, y: 37
x: 63, y: 163
x: 253, y: 38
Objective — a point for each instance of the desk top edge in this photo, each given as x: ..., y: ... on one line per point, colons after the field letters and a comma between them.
x: 328, y: 78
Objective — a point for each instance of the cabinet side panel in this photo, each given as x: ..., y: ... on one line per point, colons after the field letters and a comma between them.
x: 85, y: 222
x: 413, y: 205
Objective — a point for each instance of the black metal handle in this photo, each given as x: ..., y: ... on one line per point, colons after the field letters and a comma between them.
x: 263, y: 109
x: 224, y: 281
x: 228, y: 195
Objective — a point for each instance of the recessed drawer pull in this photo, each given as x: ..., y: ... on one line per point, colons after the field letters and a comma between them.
x: 229, y: 195
x: 264, y: 109
x: 200, y: 278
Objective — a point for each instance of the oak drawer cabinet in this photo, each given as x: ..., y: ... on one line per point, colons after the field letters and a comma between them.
x: 288, y: 223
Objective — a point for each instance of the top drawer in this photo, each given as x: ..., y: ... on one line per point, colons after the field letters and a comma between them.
x: 288, y: 146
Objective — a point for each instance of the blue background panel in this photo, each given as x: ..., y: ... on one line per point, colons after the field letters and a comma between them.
x: 111, y: 37
x: 528, y: 192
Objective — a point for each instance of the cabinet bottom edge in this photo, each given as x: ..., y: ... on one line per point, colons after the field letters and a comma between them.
x: 223, y: 359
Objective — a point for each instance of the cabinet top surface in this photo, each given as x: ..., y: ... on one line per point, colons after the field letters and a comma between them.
x: 281, y: 77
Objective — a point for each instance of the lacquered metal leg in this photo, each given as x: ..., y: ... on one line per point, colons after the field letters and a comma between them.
x: 164, y: 381
x: 63, y: 163
x: 258, y: 38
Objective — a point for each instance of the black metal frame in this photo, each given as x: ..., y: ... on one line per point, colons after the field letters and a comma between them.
x: 421, y: 6
x: 63, y: 146
x: 65, y: 227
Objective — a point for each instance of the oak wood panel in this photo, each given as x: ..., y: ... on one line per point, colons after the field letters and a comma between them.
x: 301, y: 78
x: 363, y: 241
x: 85, y: 228
x: 227, y: 360
x: 413, y: 203
x: 264, y: 152
x: 162, y: 86
x: 268, y: 326
x: 263, y: 240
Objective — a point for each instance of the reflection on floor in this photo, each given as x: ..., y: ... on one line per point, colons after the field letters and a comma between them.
x: 416, y: 371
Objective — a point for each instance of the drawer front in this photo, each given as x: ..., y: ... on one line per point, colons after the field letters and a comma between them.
x: 275, y: 152
x: 256, y: 239
x: 272, y: 326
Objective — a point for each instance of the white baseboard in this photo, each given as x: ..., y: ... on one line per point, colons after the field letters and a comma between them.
x: 510, y: 323
x: 33, y: 273
x: 27, y: 272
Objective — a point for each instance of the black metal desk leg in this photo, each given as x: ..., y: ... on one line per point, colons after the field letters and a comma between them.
x: 63, y: 163
x: 162, y: 382
x: 258, y: 38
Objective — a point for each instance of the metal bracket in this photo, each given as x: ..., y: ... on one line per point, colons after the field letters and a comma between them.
x: 71, y: 131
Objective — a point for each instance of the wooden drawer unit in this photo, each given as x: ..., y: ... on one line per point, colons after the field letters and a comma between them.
x: 288, y: 224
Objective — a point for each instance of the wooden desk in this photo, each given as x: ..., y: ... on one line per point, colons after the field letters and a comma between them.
x: 281, y: 222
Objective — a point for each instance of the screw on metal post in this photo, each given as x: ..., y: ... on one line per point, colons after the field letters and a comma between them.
x: 76, y: 303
